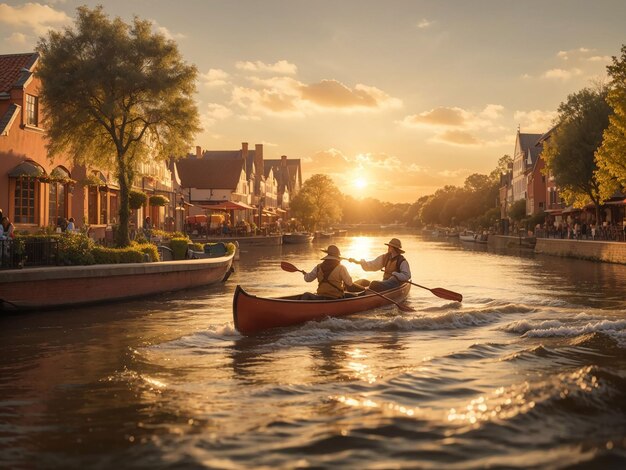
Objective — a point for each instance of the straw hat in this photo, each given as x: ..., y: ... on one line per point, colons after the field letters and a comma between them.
x: 397, y: 244
x: 332, y: 252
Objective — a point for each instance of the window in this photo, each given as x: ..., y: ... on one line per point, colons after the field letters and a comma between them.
x: 92, y: 205
x: 104, y: 219
x: 57, y: 207
x: 32, y: 110
x: 25, y: 200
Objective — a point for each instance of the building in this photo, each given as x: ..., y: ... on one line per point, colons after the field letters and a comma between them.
x: 34, y: 190
x: 524, y: 157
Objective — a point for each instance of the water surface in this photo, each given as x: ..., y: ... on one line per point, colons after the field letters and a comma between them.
x: 529, y: 371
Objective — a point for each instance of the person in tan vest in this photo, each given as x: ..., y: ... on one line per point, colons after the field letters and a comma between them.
x: 394, y: 265
x: 332, y: 277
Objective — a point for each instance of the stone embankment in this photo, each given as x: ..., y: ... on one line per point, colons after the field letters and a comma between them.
x: 594, y: 250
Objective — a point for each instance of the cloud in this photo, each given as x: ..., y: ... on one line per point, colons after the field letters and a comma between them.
x: 166, y: 32
x: 334, y: 94
x: 438, y: 117
x: 214, y: 112
x: 424, y: 23
x: 442, y: 118
x: 280, y: 67
x: 573, y: 53
x: 457, y: 126
x: 458, y: 137
x: 17, y: 39
x: 37, y: 17
x: 214, y: 78
x: 562, y: 74
x: 289, y: 97
x: 536, y: 120
x: 582, y: 61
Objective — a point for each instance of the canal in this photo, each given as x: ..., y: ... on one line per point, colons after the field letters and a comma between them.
x: 529, y: 371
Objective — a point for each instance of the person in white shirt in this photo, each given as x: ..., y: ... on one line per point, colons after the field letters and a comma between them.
x: 396, y: 267
x: 332, y: 277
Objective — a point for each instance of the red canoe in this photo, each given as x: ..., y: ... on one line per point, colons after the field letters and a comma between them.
x: 253, y: 314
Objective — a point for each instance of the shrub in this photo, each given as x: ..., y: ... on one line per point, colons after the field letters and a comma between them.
x: 104, y: 255
x: 149, y: 249
x: 179, y: 247
x: 75, y: 249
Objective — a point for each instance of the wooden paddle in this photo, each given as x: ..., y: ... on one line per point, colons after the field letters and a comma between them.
x: 292, y: 269
x: 438, y: 291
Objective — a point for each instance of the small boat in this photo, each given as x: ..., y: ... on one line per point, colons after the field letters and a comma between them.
x: 467, y: 236
x: 297, y: 237
x: 253, y: 314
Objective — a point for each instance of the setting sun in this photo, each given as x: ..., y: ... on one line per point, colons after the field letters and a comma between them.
x: 360, y: 183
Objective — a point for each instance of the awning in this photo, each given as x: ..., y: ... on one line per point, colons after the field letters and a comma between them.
x: 227, y: 206
x: 278, y: 209
x: 27, y: 168
x: 619, y: 202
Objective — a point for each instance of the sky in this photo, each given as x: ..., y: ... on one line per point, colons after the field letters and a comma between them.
x: 392, y: 99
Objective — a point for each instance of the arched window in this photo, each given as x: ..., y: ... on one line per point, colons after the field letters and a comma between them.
x: 26, y: 176
x: 97, y: 197
x: 58, y: 191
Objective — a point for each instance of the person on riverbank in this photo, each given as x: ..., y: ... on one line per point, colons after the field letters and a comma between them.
x: 396, y: 267
x: 332, y: 277
x: 147, y: 227
x: 7, y: 229
x: 71, y: 226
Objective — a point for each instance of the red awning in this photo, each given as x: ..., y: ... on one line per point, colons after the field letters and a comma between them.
x: 619, y: 202
x: 227, y: 206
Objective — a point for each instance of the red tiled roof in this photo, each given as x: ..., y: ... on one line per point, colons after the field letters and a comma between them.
x: 10, y: 69
x: 208, y: 173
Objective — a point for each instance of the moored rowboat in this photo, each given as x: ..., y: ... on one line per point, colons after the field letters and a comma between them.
x: 253, y: 314
x: 297, y: 237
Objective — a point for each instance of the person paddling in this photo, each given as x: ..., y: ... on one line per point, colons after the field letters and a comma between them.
x: 396, y: 267
x: 332, y: 277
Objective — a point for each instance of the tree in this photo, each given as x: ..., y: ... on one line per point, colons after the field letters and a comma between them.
x: 317, y: 204
x: 611, y: 156
x: 518, y: 210
x: 505, y: 163
x: 569, y: 154
x: 115, y: 95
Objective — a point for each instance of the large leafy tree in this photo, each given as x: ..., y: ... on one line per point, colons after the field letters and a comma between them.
x: 115, y: 95
x: 611, y: 156
x: 318, y: 203
x: 570, y: 152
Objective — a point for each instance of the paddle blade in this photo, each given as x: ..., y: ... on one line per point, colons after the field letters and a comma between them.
x: 285, y: 266
x: 447, y: 294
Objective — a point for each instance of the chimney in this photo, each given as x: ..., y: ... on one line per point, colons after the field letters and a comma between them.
x: 258, y: 160
x: 244, y: 151
x: 198, y: 151
x: 283, y: 161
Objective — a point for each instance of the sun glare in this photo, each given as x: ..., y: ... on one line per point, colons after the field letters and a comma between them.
x: 360, y: 183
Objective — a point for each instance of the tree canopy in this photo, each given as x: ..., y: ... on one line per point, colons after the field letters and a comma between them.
x: 611, y: 156
x: 569, y: 154
x: 115, y: 95
x: 317, y: 204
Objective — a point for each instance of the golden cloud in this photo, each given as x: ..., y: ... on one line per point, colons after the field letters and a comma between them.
x: 458, y: 137
x: 280, y: 67
x: 287, y: 96
x: 35, y: 16
x: 535, y: 120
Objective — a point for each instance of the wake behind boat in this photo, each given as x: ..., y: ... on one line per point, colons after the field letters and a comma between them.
x: 253, y: 314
